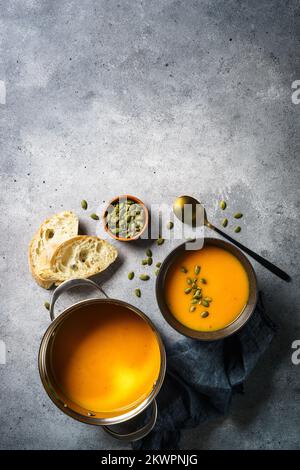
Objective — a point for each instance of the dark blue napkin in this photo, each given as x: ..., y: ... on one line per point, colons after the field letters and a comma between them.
x: 202, y: 378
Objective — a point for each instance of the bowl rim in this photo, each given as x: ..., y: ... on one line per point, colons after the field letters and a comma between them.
x: 73, y: 410
x: 135, y: 199
x: 228, y: 330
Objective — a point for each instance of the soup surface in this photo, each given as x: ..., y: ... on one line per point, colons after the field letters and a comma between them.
x: 222, y: 280
x: 105, y: 358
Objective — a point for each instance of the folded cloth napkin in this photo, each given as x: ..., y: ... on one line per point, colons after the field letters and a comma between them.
x: 202, y: 377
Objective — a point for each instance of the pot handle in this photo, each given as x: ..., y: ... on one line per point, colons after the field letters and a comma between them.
x: 139, y: 433
x: 66, y: 285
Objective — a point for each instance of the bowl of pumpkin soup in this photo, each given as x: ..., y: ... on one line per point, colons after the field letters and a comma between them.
x: 102, y: 362
x: 208, y: 293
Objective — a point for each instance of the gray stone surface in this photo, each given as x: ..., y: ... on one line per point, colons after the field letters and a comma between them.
x: 155, y: 99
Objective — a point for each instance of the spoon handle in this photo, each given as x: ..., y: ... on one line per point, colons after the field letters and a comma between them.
x: 267, y: 264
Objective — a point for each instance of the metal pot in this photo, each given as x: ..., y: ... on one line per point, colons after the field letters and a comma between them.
x: 71, y: 408
x: 232, y: 327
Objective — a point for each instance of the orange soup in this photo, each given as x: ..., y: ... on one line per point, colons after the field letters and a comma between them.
x: 211, y: 298
x: 106, y: 358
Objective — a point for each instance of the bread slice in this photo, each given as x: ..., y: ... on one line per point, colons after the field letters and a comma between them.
x: 79, y: 257
x: 49, y: 236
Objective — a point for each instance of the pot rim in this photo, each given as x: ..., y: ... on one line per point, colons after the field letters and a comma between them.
x: 86, y: 416
x: 228, y: 330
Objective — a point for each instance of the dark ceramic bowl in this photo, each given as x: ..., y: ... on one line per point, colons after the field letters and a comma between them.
x: 207, y: 335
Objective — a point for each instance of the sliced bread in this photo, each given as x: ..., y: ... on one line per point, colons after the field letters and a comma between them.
x: 49, y: 236
x: 79, y: 257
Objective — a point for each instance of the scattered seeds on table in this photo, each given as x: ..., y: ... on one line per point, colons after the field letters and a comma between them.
x: 47, y: 305
x: 149, y: 261
x: 170, y: 225
x: 138, y: 292
x: 238, y: 215
x: 183, y: 269
x: 149, y: 253
x: 84, y: 204
x: 223, y: 205
x: 225, y: 222
x: 94, y: 216
x: 192, y: 308
x: 160, y: 241
x: 144, y: 277
x: 197, y: 270
x: 205, y: 303
x: 188, y: 290
x: 204, y: 314
x: 158, y: 264
x: 237, y: 229
x: 131, y: 275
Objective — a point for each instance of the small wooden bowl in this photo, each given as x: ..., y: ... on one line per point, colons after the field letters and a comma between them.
x: 131, y: 198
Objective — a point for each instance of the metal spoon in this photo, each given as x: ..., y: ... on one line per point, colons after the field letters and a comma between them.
x: 197, y: 209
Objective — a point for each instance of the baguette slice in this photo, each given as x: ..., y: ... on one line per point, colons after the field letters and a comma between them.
x: 49, y: 236
x: 79, y: 257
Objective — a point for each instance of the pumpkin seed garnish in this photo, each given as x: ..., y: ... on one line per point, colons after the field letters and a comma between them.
x: 225, y: 222
x: 138, y: 292
x: 144, y: 277
x: 144, y: 262
x: 94, y: 216
x: 204, y: 314
x: 223, y: 205
x: 160, y: 241
x: 197, y: 270
x: 187, y: 290
x: 149, y: 253
x: 203, y: 280
x: 189, y: 281
x: 194, y: 301
x: 183, y: 269
x: 192, y: 308
x: 130, y: 275
x: 156, y: 272
x: 47, y: 305
x: 170, y: 225
x: 149, y: 261
x: 238, y: 215
x: 158, y: 264
x: 237, y: 229
x: 84, y: 204
x: 208, y: 299
x: 205, y: 303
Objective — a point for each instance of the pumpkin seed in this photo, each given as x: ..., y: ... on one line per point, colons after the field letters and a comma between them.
x: 197, y: 270
x: 223, y: 205
x: 203, y: 280
x: 144, y: 277
x: 47, y: 305
x: 225, y: 222
x: 144, y: 262
x: 149, y: 261
x: 205, y: 303
x: 149, y: 253
x: 160, y: 241
x: 130, y: 275
x: 156, y: 272
x: 188, y: 290
x: 192, y: 308
x: 194, y: 301
x: 170, y: 225
x: 138, y: 292
x: 237, y: 229
x: 84, y: 204
x: 204, y: 314
x: 189, y: 281
x: 208, y: 299
x: 238, y: 215
x: 158, y: 264
x: 183, y: 269
x: 94, y: 216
